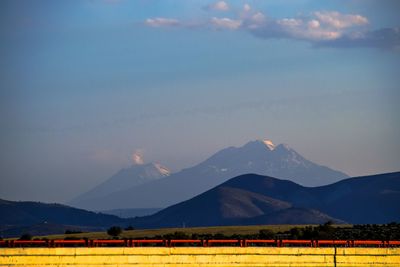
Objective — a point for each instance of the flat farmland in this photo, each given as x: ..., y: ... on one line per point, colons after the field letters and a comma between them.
x: 151, y: 233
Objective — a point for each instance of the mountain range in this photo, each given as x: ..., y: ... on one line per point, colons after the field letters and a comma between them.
x: 18, y: 217
x: 244, y: 200
x: 253, y: 199
x: 259, y: 157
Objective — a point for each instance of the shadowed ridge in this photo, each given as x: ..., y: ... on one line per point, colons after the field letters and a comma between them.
x: 256, y: 199
x: 17, y: 216
x: 245, y: 199
x: 366, y: 199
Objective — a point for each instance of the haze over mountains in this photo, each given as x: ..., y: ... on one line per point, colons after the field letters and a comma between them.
x: 253, y: 199
x: 139, y: 173
x: 259, y: 157
x: 244, y: 200
x: 207, y: 195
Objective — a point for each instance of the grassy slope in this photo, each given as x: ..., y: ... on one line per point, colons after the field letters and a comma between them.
x: 226, y: 230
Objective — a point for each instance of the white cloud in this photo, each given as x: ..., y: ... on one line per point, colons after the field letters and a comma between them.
x: 219, y: 6
x: 321, y: 28
x: 162, y: 22
x: 226, y: 23
x: 137, y: 157
x: 297, y: 28
x: 318, y: 34
x: 313, y: 24
x: 246, y: 7
x: 290, y: 22
x: 340, y: 21
x: 385, y: 38
x: 254, y: 21
x: 258, y: 18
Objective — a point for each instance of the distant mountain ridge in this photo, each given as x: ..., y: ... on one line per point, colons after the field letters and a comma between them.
x: 244, y: 200
x: 17, y: 217
x: 253, y: 199
x: 260, y: 157
x: 130, y: 213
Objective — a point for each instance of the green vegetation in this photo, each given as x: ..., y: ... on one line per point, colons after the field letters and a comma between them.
x: 325, y: 231
x: 114, y: 231
x: 26, y: 236
x: 389, y: 231
x: 152, y: 233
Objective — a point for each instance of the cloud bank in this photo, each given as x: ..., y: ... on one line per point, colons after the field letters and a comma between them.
x: 218, y: 6
x: 161, y: 22
x: 225, y: 23
x: 329, y: 29
x: 320, y: 28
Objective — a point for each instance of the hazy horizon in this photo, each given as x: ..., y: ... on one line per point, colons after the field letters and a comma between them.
x: 87, y: 84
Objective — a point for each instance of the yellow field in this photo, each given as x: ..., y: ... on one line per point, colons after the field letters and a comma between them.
x: 222, y: 256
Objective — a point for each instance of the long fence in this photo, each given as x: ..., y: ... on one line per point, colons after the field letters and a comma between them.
x: 201, y: 256
x: 197, y: 243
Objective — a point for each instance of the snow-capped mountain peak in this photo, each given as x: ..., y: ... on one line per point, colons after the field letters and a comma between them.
x: 258, y: 157
x: 137, y: 174
x: 269, y: 144
x: 162, y: 170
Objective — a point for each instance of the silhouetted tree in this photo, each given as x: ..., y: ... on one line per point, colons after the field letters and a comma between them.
x: 26, y: 236
x: 266, y: 234
x: 176, y: 235
x: 295, y: 233
x: 114, y: 231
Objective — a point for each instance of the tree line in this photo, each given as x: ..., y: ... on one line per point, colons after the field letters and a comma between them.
x: 326, y: 231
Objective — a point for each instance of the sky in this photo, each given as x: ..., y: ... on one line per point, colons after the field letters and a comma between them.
x: 84, y: 85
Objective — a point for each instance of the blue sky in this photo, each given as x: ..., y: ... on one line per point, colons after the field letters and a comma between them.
x: 84, y: 84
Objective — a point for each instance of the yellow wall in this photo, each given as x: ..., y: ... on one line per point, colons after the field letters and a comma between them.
x: 222, y: 256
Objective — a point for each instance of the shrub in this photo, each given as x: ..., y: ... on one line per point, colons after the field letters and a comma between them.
x: 266, y: 234
x: 114, y: 231
x: 176, y: 235
x: 26, y: 236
